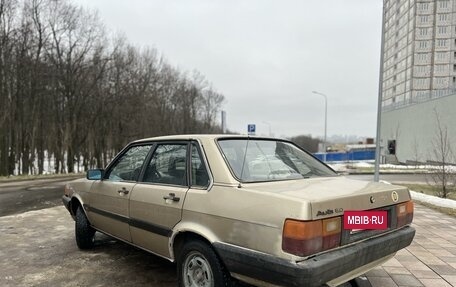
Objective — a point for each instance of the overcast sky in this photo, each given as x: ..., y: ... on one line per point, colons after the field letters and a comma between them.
x: 266, y: 57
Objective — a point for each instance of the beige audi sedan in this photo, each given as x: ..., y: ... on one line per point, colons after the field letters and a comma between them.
x: 228, y: 208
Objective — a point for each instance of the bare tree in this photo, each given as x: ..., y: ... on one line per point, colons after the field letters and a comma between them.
x: 211, y: 104
x: 75, y: 38
x: 444, y: 174
x: 8, y: 31
x: 416, y: 154
x: 307, y: 142
x: 71, y: 95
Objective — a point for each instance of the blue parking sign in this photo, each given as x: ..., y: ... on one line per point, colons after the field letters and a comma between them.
x: 251, y: 129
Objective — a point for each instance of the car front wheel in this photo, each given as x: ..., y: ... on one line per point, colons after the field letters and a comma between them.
x: 85, y: 234
x: 199, y: 266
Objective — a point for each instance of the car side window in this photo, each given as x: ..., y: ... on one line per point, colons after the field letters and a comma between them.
x: 129, y: 165
x: 168, y: 165
x: 200, y: 177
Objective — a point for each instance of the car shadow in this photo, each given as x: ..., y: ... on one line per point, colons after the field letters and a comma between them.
x: 141, y: 266
x: 136, y: 265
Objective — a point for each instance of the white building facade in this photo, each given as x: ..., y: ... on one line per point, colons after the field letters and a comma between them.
x: 419, y: 77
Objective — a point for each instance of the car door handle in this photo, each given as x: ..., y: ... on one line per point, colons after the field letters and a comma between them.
x: 172, y: 196
x: 123, y: 190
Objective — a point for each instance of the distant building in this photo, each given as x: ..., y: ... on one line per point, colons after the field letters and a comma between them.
x: 419, y: 77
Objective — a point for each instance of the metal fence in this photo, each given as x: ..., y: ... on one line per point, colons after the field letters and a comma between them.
x: 347, y: 156
x: 421, y: 97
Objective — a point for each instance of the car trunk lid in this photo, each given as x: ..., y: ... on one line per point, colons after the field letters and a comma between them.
x: 331, y: 196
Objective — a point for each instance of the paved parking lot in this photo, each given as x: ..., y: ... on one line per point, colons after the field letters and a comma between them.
x: 429, y: 261
x: 37, y: 248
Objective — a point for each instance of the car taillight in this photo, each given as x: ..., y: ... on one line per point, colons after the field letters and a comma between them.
x: 305, y: 238
x: 404, y: 213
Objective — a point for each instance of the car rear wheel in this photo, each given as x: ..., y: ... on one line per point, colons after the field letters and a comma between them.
x: 85, y: 234
x: 199, y: 266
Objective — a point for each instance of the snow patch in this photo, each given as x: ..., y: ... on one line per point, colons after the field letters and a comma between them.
x: 433, y: 200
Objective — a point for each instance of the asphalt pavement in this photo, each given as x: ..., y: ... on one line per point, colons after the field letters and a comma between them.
x: 20, y: 196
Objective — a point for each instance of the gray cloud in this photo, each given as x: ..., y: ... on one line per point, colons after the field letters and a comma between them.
x: 267, y: 56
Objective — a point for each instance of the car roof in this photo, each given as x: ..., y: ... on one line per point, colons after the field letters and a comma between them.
x: 199, y: 136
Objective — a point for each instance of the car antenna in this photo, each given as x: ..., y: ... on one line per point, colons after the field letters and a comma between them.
x: 243, y: 160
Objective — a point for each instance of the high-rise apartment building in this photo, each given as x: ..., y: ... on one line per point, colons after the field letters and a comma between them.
x: 419, y: 80
x: 419, y: 50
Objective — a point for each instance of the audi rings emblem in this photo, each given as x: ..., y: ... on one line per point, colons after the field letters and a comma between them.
x: 394, y: 196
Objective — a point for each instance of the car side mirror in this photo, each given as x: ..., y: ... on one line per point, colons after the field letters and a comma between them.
x: 94, y: 174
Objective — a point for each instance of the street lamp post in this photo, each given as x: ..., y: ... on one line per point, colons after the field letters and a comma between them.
x: 326, y: 121
x: 379, y: 103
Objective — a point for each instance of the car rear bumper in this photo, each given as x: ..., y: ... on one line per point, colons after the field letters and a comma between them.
x: 317, y: 270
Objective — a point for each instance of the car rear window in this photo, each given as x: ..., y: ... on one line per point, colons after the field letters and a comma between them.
x: 257, y: 160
